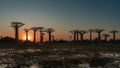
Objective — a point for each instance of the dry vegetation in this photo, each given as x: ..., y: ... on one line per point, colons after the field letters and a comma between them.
x: 58, y: 55
x: 76, y: 47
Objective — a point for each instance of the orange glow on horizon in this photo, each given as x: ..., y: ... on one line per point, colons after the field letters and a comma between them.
x: 29, y: 38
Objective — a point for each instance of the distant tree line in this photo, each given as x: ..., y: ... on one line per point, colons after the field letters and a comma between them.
x: 78, y: 35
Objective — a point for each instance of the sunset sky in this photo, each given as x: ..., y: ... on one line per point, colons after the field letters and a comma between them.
x: 62, y: 15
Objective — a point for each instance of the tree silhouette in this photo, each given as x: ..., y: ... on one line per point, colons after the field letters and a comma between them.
x: 82, y: 32
x: 16, y: 26
x: 43, y: 37
x: 41, y: 33
x: 49, y: 31
x: 34, y: 30
x: 105, y: 36
x: 90, y: 30
x: 75, y: 33
x: 26, y: 31
x: 114, y: 34
x: 99, y: 31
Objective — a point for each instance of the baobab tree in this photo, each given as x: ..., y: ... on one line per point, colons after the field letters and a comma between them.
x: 114, y: 34
x: 82, y: 32
x: 41, y: 33
x: 105, y: 36
x: 75, y: 33
x: 26, y: 31
x: 99, y: 31
x: 34, y: 30
x: 16, y: 26
x: 49, y: 31
x: 90, y: 30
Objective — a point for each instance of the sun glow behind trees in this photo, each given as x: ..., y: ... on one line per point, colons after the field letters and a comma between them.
x: 29, y: 38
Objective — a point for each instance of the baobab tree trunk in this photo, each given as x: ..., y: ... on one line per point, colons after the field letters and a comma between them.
x: 99, y: 36
x: 41, y: 33
x: 90, y: 36
x: 99, y: 31
x: 77, y: 36
x: 49, y: 31
x: 114, y: 37
x: 90, y: 32
x: 41, y: 37
x: 26, y: 36
x: 26, y: 31
x: 105, y: 38
x: 34, y: 36
x: 49, y: 37
x: 82, y: 32
x: 81, y: 36
x: 16, y: 33
x: 114, y: 33
x: 74, y: 36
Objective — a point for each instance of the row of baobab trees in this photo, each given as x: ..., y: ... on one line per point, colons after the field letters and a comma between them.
x: 17, y: 25
x: 76, y: 34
